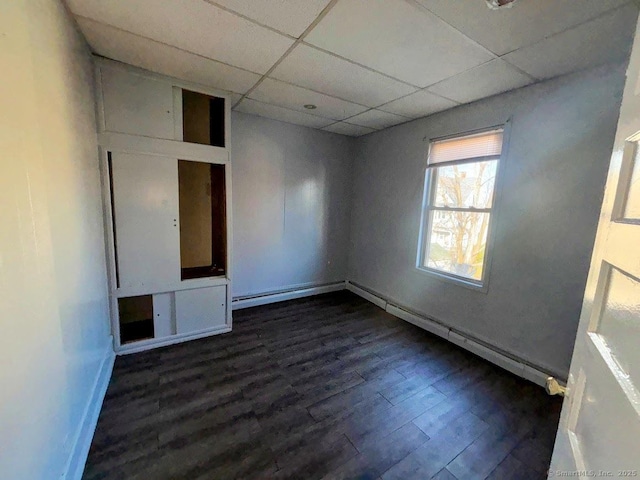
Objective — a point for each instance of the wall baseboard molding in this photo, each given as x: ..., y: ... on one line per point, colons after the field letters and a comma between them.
x: 281, y: 296
x: 144, y: 345
x: 495, y: 356
x: 86, y: 429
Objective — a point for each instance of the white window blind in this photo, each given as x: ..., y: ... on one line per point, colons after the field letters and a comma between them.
x: 478, y: 145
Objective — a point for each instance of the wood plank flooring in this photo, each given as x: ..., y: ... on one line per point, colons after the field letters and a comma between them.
x: 327, y: 387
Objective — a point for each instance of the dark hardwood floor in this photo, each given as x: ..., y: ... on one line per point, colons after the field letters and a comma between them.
x: 324, y: 387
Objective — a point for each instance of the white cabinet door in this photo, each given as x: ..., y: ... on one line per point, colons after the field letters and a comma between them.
x: 599, y: 432
x: 162, y: 315
x: 136, y: 104
x: 145, y: 208
x: 200, y: 309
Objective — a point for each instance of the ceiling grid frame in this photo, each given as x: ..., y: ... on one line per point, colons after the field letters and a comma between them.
x: 379, y: 107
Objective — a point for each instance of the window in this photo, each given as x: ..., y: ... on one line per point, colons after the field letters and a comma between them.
x: 459, y: 200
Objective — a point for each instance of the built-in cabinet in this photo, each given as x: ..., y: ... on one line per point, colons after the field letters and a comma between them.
x: 166, y: 168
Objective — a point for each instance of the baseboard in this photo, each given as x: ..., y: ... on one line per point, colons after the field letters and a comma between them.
x: 143, y: 345
x: 376, y: 300
x: 281, y: 296
x: 87, y: 428
x: 514, y: 365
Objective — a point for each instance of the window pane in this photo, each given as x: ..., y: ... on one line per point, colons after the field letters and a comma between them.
x: 457, y: 243
x: 465, y: 185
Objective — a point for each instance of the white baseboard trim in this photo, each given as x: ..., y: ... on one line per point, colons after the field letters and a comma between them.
x: 494, y: 356
x: 376, y: 300
x: 87, y: 427
x: 254, y: 301
x: 144, y: 345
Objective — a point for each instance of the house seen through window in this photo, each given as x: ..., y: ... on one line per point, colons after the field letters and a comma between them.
x: 459, y: 200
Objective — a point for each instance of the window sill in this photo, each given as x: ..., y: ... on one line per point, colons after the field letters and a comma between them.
x: 455, y: 280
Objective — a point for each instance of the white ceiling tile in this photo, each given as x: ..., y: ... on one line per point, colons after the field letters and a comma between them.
x: 289, y: 16
x: 192, y: 25
x: 398, y: 39
x: 349, y: 129
x: 283, y: 114
x: 157, y: 57
x: 494, y: 77
x: 295, y: 98
x: 317, y: 70
x: 526, y: 22
x: 419, y: 104
x: 605, y: 39
x: 377, y: 119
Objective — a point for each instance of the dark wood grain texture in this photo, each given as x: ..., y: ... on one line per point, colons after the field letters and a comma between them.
x: 323, y: 387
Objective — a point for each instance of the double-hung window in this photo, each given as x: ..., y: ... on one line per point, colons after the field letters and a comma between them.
x: 458, y: 204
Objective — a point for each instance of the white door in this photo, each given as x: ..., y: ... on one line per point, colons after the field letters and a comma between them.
x: 145, y: 209
x: 599, y: 432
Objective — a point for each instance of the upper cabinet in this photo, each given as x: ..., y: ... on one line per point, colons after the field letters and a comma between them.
x: 136, y: 104
x: 203, y: 119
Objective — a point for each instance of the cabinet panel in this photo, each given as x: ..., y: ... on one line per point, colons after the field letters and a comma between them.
x: 163, y: 315
x: 137, y: 105
x: 145, y: 207
x: 200, y: 309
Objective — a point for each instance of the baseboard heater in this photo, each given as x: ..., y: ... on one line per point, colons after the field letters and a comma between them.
x: 265, y: 298
x: 491, y: 354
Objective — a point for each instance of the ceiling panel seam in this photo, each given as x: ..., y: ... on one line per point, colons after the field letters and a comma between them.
x: 238, y: 14
x: 600, y: 15
x: 165, y: 44
x: 424, y: 9
x: 568, y: 29
x: 296, y: 111
x: 306, y: 32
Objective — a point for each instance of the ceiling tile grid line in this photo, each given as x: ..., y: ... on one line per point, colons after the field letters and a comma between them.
x: 402, y: 118
x: 315, y: 23
x: 245, y: 17
x: 528, y: 45
x: 436, y: 7
x: 568, y: 29
x: 420, y: 7
x: 126, y: 47
x: 282, y: 114
x: 362, y: 63
x: 423, y: 8
x: 246, y: 93
x: 414, y: 3
x: 289, y: 17
x: 293, y: 84
x: 332, y: 120
x: 333, y: 54
x: 193, y: 25
x: 317, y: 20
x: 81, y: 17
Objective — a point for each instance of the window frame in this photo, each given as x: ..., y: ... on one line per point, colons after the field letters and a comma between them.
x: 428, y: 209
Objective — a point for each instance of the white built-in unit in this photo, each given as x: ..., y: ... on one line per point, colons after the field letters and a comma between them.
x: 164, y: 149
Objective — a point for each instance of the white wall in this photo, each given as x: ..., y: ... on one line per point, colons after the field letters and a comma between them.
x: 554, y: 172
x: 291, y: 205
x: 53, y: 291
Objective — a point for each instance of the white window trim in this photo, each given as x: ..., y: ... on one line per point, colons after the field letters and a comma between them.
x: 425, y: 212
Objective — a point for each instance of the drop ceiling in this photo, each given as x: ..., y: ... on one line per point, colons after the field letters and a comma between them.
x: 365, y: 64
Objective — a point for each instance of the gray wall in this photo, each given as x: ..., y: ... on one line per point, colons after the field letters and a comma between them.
x: 53, y: 284
x: 291, y: 192
x: 554, y: 172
